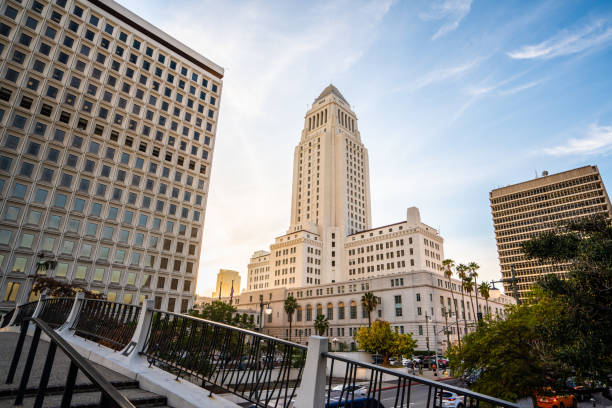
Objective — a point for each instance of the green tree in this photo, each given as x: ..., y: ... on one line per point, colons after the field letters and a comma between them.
x: 468, y: 286
x: 447, y: 266
x: 369, y: 302
x: 584, y: 339
x: 512, y: 354
x: 55, y: 288
x: 403, y: 345
x: 218, y: 311
x: 380, y: 339
x: 563, y: 328
x: 321, y: 324
x: 474, y: 267
x: 462, y: 270
x: 484, y: 290
x: 290, y: 306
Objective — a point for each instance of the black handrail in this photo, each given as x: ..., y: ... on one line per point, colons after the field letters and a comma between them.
x: 111, y: 324
x: 25, y: 311
x: 6, y: 319
x: 110, y: 396
x: 259, y: 368
x: 404, y: 382
x: 55, y: 311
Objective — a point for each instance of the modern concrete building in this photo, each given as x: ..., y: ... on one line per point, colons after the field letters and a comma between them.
x: 524, y: 210
x: 228, y: 281
x: 107, y: 129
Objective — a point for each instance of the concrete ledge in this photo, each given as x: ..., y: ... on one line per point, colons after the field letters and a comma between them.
x: 179, y: 393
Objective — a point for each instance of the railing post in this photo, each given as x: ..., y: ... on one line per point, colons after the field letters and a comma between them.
x: 39, y: 305
x: 15, y: 313
x: 74, y: 313
x: 311, y: 393
x: 136, y: 345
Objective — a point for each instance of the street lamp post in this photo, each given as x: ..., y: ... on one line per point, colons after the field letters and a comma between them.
x: 427, y: 331
x: 511, y: 280
x: 261, y: 311
x: 445, y: 312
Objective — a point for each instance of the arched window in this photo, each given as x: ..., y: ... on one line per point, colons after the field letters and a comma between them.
x: 319, y: 309
x: 341, y: 310
x: 353, y: 310
x: 298, y: 316
x: 330, y: 311
x: 308, y: 313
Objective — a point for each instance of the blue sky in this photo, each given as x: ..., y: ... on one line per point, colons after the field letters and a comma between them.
x: 454, y: 98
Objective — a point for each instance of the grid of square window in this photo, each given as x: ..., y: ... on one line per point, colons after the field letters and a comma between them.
x: 106, y: 138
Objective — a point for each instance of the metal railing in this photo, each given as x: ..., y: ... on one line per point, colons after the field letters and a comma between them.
x: 24, y: 311
x: 353, y: 383
x: 259, y: 368
x: 6, y: 319
x: 110, y: 396
x: 55, y: 311
x: 108, y: 323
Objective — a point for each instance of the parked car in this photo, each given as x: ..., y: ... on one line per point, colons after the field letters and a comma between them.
x: 441, y: 361
x: 357, y: 402
x: 350, y: 390
x: 584, y: 390
x: 547, y: 399
x: 406, y: 362
x: 393, y: 361
x: 449, y: 400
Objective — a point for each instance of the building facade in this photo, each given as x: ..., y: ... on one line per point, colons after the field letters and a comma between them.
x: 524, y: 210
x: 107, y: 129
x: 228, y: 283
x: 417, y: 302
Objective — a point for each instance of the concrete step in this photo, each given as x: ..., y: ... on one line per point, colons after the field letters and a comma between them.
x: 138, y: 397
x: 59, y: 388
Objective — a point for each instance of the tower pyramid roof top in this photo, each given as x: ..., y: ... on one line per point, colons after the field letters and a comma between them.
x: 331, y: 90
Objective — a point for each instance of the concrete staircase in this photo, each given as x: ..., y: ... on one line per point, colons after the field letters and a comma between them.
x: 85, y: 394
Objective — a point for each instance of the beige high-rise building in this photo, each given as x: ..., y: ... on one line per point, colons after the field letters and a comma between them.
x: 226, y: 280
x: 524, y: 210
x: 330, y: 238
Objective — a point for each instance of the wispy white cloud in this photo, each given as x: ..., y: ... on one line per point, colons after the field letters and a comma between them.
x: 598, y: 140
x: 521, y: 88
x: 567, y: 42
x: 450, y: 11
x: 438, y: 76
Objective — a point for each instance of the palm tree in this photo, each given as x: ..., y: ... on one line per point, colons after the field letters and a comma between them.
x: 369, y: 302
x: 484, y: 292
x: 468, y: 285
x: 447, y: 266
x: 462, y: 274
x: 321, y: 324
x: 473, y: 266
x: 290, y: 307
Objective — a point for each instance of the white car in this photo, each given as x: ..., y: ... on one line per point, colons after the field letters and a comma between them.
x: 406, y: 362
x: 450, y: 400
x: 360, y: 390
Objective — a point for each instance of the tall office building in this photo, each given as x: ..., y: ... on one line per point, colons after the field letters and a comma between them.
x: 228, y: 283
x: 522, y: 211
x: 330, y: 238
x: 107, y: 128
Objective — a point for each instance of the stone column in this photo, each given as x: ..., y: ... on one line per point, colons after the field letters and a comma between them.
x: 311, y: 393
x: 136, y: 345
x: 74, y: 313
